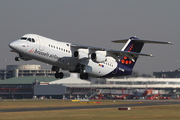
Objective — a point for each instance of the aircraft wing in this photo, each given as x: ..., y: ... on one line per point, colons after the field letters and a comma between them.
x: 75, y: 46
x: 110, y: 52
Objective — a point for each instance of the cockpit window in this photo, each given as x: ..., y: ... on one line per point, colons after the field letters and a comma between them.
x: 29, y: 39
x: 33, y: 40
x: 23, y: 38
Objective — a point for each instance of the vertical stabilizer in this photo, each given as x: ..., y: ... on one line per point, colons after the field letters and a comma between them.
x: 131, y: 46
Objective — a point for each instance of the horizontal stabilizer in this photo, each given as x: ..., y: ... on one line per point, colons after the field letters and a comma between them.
x: 142, y: 41
x: 126, y: 53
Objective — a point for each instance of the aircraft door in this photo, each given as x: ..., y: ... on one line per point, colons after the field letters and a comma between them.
x: 41, y: 43
x: 28, y: 43
x: 27, y: 46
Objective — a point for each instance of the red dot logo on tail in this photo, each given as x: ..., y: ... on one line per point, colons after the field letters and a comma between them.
x: 125, y: 57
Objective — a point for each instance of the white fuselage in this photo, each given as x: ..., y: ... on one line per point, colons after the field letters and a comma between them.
x: 60, y: 54
x: 86, y: 60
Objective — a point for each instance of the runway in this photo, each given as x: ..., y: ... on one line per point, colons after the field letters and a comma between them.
x: 137, y: 103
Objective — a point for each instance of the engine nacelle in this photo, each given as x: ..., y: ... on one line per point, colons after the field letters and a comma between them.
x: 80, y: 54
x: 98, y: 58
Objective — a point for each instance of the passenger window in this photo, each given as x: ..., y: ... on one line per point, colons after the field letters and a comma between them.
x: 29, y: 39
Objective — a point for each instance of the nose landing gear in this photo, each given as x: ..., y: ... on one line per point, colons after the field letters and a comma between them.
x: 17, y: 58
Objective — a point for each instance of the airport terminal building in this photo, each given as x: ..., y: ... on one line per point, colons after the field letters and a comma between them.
x: 167, y: 74
x: 28, y: 81
x: 26, y: 71
x: 73, y: 87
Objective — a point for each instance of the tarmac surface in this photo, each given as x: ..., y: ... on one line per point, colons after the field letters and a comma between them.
x: 137, y: 103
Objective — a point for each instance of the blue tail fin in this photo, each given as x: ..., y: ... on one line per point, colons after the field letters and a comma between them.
x: 134, y: 44
x: 131, y: 46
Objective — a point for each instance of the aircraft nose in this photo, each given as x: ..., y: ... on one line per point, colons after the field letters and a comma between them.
x: 14, y: 45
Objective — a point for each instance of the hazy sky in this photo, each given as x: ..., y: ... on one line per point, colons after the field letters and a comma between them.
x: 96, y: 23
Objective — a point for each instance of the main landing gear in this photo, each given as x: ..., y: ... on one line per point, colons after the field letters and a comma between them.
x: 84, y: 76
x: 57, y: 74
x: 80, y: 69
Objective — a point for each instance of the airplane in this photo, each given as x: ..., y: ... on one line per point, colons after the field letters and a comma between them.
x: 86, y: 60
x: 141, y: 93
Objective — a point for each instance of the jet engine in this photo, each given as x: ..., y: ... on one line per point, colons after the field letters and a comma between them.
x: 80, y: 54
x: 98, y: 58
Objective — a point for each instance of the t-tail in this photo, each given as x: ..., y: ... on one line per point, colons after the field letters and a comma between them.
x: 134, y: 45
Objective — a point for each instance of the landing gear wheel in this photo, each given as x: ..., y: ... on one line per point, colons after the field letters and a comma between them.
x: 17, y: 59
x: 84, y: 76
x: 56, y: 75
x: 59, y: 75
x: 81, y: 76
